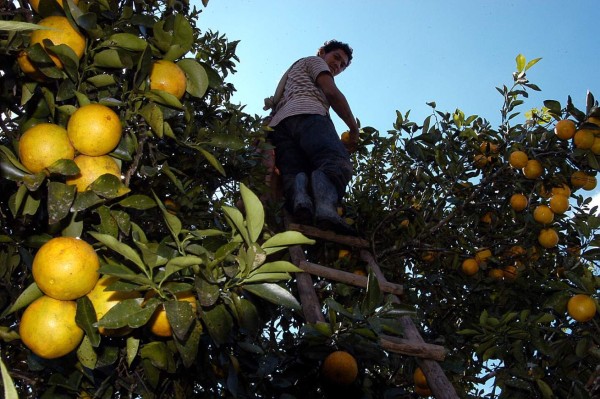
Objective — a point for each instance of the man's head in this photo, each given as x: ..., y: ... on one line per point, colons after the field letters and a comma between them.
x: 338, y: 55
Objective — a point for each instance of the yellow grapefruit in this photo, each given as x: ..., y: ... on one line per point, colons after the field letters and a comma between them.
x: 44, y: 144
x: 340, y: 368
x: 61, y: 32
x: 48, y: 327
x: 94, y: 130
x: 91, y: 168
x: 167, y: 76
x: 66, y: 268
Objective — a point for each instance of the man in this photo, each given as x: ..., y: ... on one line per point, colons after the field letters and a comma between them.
x: 308, y: 150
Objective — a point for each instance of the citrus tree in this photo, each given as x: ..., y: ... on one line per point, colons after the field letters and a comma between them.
x: 137, y: 259
x: 493, y: 230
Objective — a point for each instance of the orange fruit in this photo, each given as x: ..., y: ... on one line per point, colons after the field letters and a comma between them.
x: 44, y: 144
x: 61, y: 32
x: 581, y: 308
x: 533, y: 169
x: 487, y: 217
x: 516, y: 251
x: 488, y: 147
x: 48, y: 327
x: 167, y: 76
x: 562, y: 189
x: 340, y: 368
x: 594, y: 120
x: 345, y: 137
x: 66, y: 268
x: 35, y: 4
x: 343, y: 253
x: 559, y: 203
x: 360, y: 272
x: 159, y: 323
x: 548, y: 238
x: 94, y: 129
x: 480, y: 161
x: 543, y: 214
x: 584, y: 139
x: 565, y: 129
x: 419, y: 378
x: 510, y: 272
x: 104, y: 300
x: 590, y: 183
x: 518, y: 159
x: 482, y: 255
x: 579, y: 179
x: 28, y: 68
x: 496, y: 274
x: 470, y: 266
x: 91, y: 168
x: 596, y: 146
x: 518, y: 202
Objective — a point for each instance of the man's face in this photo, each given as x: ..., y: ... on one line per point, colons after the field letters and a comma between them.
x: 337, y: 60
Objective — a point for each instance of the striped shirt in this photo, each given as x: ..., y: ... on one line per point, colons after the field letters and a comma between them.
x: 301, y: 94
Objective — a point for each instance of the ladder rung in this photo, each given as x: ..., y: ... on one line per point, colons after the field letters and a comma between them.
x: 328, y: 235
x: 347, y: 277
x: 412, y: 348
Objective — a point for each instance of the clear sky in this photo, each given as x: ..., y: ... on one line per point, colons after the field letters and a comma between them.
x: 409, y: 52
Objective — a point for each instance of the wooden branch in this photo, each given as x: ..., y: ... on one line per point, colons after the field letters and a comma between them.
x: 347, y: 277
x: 328, y: 235
x: 410, y: 348
x: 311, y: 306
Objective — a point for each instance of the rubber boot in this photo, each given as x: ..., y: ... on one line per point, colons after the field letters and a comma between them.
x: 302, y: 205
x: 326, y: 198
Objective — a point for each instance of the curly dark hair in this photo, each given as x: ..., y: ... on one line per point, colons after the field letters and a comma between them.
x: 332, y: 45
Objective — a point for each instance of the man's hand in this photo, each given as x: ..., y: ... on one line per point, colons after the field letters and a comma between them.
x: 350, y: 140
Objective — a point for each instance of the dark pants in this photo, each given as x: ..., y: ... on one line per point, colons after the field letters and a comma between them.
x: 304, y: 143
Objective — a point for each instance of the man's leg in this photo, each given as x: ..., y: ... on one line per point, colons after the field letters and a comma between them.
x: 332, y: 170
x: 292, y: 164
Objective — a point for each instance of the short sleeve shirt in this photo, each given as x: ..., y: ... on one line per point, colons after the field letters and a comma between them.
x: 301, y: 94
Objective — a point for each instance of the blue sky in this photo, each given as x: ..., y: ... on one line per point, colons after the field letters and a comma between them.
x: 407, y: 53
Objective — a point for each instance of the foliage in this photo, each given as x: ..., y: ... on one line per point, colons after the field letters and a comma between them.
x: 186, y: 216
x: 428, y: 205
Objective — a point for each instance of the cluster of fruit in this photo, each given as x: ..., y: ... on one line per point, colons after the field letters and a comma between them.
x: 64, y: 269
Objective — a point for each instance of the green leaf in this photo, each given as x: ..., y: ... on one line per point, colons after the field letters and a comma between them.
x: 86, y: 354
x: 212, y: 160
x: 126, y: 251
x: 102, y: 80
x: 109, y: 59
x: 137, y: 201
x: 128, y: 312
x: 520, y: 62
x: 219, y: 323
x: 159, y: 355
x: 284, y: 240
x: 280, y: 266
x: 30, y: 294
x: 246, y: 314
x: 153, y: 115
x: 255, y: 214
x: 373, y: 297
x: 60, y: 198
x: 267, y: 277
x: 133, y: 346
x: 532, y: 63
x: 275, y: 294
x: 126, y: 41
x: 181, y: 316
x: 10, y: 391
x: 188, y: 348
x: 180, y: 262
x: 236, y: 219
x: 85, y: 318
x: 197, y: 79
x: 544, y: 389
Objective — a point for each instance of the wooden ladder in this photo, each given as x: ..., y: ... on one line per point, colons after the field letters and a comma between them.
x: 427, y: 355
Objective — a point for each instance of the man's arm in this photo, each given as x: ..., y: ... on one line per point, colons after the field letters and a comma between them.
x: 340, y: 105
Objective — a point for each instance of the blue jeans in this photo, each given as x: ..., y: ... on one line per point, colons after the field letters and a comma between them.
x: 304, y: 143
